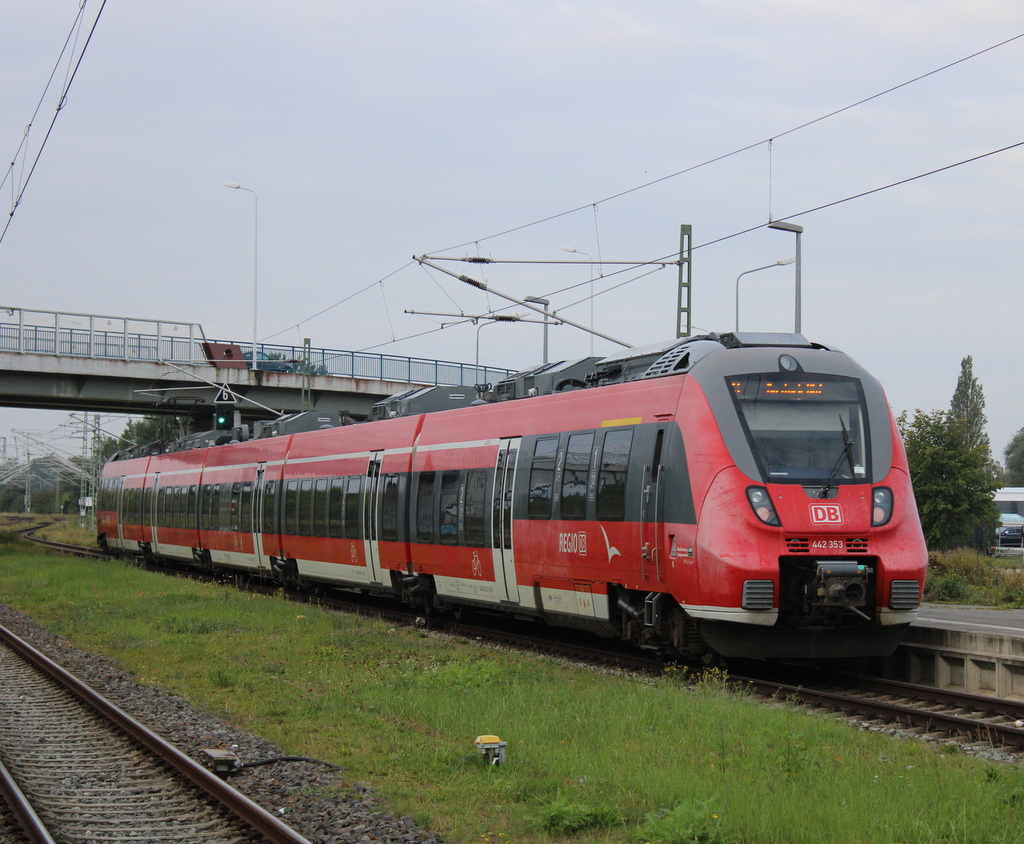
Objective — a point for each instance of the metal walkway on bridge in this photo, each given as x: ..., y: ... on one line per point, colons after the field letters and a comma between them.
x: 127, y: 338
x: 51, y: 359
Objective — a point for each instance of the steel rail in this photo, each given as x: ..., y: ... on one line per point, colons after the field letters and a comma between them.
x: 30, y: 823
x: 256, y: 816
x: 952, y: 723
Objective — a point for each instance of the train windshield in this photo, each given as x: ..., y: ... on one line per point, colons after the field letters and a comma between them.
x: 806, y: 430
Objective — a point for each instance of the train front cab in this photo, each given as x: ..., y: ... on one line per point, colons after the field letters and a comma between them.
x: 809, y: 544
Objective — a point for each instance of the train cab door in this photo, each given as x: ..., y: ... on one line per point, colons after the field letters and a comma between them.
x: 501, y: 521
x: 652, y: 500
x: 371, y: 516
x: 261, y: 556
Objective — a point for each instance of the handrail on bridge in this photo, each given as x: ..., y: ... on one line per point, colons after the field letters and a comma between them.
x: 150, y: 340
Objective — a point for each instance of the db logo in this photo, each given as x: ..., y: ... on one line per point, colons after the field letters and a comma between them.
x: 826, y: 514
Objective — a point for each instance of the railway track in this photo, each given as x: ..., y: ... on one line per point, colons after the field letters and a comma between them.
x: 82, y: 770
x: 937, y: 714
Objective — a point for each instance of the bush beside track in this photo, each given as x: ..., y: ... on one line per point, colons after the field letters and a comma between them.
x: 592, y: 755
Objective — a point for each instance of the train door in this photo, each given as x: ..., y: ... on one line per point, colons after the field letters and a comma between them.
x: 371, y: 516
x: 652, y: 555
x: 501, y: 521
x: 262, y: 559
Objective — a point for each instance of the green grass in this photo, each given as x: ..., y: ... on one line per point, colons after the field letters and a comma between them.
x: 964, y: 576
x: 593, y: 756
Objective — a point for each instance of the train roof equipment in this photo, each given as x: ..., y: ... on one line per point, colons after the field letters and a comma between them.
x: 657, y: 360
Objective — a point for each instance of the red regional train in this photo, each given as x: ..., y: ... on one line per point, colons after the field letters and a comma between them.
x: 740, y: 495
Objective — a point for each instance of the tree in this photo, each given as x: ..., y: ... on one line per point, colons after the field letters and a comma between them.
x: 1013, y: 457
x: 968, y: 406
x: 953, y: 481
x: 149, y: 429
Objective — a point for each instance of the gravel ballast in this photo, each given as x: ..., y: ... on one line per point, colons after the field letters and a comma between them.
x: 314, y: 798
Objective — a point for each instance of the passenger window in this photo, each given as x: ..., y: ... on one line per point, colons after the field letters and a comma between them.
x: 269, y: 501
x: 291, y: 508
x: 352, y: 507
x: 449, y: 520
x: 214, y: 502
x: 573, y: 503
x: 336, y: 508
x: 425, y: 508
x: 320, y: 507
x: 476, y: 501
x: 542, y: 476
x: 193, y: 506
x: 389, y: 509
x: 305, y: 507
x: 245, y: 508
x: 234, y: 505
x: 611, y: 483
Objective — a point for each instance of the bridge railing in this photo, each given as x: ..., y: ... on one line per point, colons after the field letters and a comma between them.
x: 379, y: 367
x: 126, y: 338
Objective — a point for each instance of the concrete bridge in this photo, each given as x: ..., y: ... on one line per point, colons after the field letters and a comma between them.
x: 108, y: 364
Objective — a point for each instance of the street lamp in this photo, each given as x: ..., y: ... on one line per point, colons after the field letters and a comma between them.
x: 255, y: 254
x: 538, y: 301
x: 783, y: 226
x: 494, y: 318
x: 591, y: 257
x: 780, y: 263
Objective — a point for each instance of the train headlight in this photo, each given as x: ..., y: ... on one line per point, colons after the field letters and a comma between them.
x: 881, y: 506
x: 761, y: 504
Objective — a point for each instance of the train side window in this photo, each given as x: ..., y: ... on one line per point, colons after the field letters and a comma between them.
x: 449, y: 515
x: 269, y: 502
x: 352, y: 507
x: 214, y: 508
x: 336, y: 508
x: 573, y: 502
x: 425, y: 508
x: 193, y: 506
x: 611, y: 482
x: 320, y: 507
x: 389, y: 509
x: 245, y: 508
x: 305, y: 507
x: 476, y: 501
x: 291, y: 507
x: 234, y: 505
x: 542, y: 477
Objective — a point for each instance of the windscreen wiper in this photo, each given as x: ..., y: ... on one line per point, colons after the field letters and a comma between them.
x: 826, y: 487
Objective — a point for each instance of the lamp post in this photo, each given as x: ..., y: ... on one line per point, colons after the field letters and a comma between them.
x: 591, y: 257
x: 255, y: 255
x: 783, y: 226
x: 780, y: 263
x: 538, y: 301
x: 494, y: 318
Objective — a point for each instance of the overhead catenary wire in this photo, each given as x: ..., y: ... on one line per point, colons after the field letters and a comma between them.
x: 742, y: 149
x: 70, y: 78
x: 767, y: 141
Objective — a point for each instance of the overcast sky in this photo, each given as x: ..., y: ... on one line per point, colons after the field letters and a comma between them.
x: 372, y: 132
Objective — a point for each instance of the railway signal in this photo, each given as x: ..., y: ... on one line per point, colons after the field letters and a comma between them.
x: 224, y: 410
